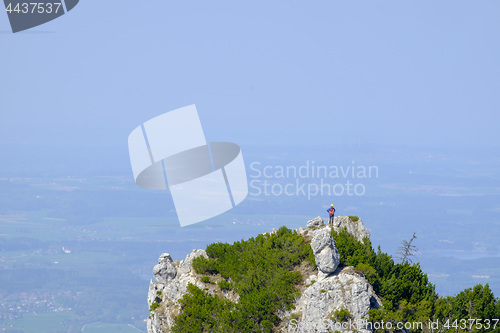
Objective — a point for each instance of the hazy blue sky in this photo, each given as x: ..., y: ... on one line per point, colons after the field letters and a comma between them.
x: 260, y: 72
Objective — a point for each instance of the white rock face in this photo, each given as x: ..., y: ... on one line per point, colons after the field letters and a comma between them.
x: 325, y: 251
x: 356, y: 228
x: 170, y: 289
x: 344, y: 289
x: 165, y: 270
x: 333, y: 288
x: 316, y: 222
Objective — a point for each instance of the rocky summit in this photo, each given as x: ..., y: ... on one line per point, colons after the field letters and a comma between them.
x: 323, y: 293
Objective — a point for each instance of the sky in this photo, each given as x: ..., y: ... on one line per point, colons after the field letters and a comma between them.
x: 259, y: 72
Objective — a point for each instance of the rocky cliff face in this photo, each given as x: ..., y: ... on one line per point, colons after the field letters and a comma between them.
x: 354, y: 227
x: 173, y: 278
x: 322, y: 299
x: 325, y: 293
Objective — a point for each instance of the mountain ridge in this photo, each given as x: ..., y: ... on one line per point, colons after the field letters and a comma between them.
x: 333, y: 274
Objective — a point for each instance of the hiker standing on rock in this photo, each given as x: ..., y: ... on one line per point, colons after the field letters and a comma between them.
x: 331, y: 211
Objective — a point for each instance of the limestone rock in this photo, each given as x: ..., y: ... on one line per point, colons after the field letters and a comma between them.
x: 168, y: 292
x: 165, y: 270
x: 345, y: 289
x: 325, y: 251
x: 316, y: 222
x: 300, y: 231
x: 356, y: 228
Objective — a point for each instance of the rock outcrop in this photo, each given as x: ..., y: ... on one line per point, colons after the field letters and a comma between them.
x: 356, y: 228
x: 323, y: 294
x: 344, y: 290
x: 315, y: 223
x: 165, y: 270
x: 325, y: 252
x: 164, y: 295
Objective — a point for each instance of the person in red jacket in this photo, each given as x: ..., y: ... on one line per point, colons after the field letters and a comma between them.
x: 331, y: 211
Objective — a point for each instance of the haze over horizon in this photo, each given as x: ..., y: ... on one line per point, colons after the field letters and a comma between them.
x: 260, y: 73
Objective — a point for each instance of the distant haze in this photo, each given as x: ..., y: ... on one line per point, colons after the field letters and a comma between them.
x: 259, y: 72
